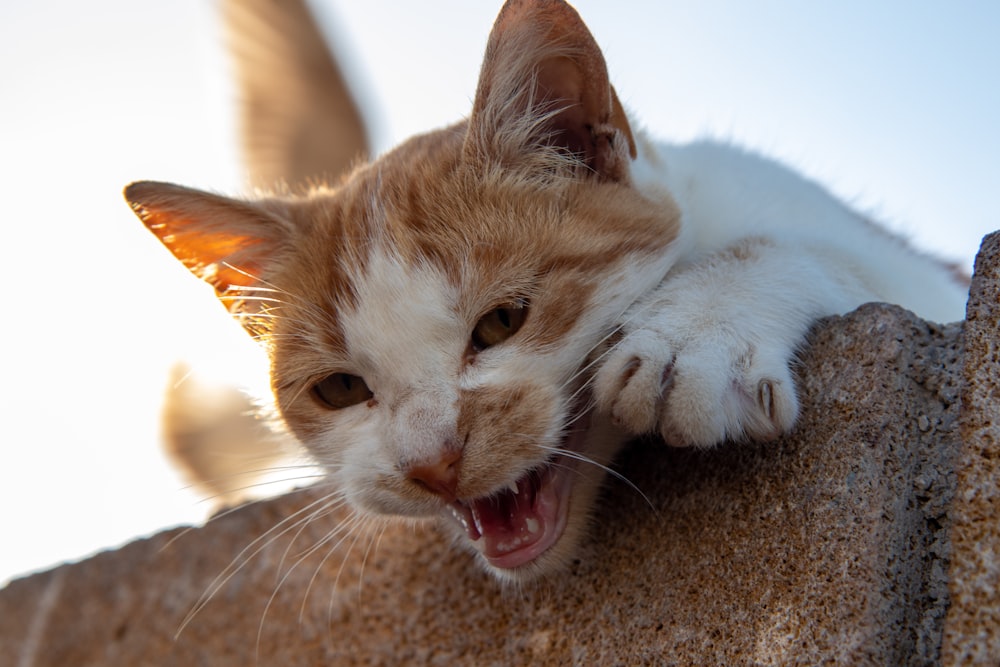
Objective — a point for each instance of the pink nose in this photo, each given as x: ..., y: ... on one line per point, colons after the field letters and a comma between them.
x: 439, y: 477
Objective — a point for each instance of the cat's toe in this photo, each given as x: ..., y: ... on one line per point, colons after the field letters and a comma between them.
x: 694, y: 412
x: 719, y: 395
x: 633, y: 379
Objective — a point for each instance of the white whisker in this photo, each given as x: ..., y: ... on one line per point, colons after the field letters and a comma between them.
x: 247, y: 554
x: 611, y: 471
x: 375, y: 540
x: 343, y: 562
x: 346, y: 527
x: 300, y: 559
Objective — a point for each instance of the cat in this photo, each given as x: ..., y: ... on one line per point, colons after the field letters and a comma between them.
x: 472, y: 325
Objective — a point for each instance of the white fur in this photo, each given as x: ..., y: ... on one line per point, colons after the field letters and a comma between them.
x: 764, y: 253
x: 405, y: 340
x: 726, y: 194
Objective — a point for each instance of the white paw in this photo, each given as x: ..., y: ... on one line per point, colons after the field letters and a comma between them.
x: 697, y: 386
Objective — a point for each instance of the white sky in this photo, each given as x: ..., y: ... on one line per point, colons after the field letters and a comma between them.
x: 894, y: 105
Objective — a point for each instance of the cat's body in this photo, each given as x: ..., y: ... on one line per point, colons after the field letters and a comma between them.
x: 473, y: 324
x: 724, y: 191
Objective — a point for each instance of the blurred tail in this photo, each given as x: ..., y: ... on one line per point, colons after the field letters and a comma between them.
x: 299, y: 125
x: 220, y: 439
x: 299, y: 121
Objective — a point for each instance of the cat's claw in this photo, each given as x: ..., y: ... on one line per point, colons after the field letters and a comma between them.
x: 696, y: 391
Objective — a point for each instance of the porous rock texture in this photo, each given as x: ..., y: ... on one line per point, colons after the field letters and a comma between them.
x: 972, y: 630
x: 868, y: 536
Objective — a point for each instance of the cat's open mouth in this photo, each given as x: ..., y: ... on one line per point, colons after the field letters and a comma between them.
x: 516, y: 525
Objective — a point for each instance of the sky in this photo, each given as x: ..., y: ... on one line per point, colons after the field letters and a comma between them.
x: 893, y: 105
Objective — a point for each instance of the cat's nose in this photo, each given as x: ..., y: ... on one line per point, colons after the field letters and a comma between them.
x: 440, y: 476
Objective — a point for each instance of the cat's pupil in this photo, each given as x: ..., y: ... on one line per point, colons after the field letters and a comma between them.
x: 341, y: 390
x: 498, y: 325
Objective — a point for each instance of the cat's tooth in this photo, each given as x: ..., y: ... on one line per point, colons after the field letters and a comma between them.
x: 478, y: 524
x: 507, y: 547
x: 513, y: 487
x: 469, y: 521
x: 532, y: 525
x: 459, y: 517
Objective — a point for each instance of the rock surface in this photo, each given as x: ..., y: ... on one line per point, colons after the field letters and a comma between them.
x: 869, y: 536
x: 972, y: 631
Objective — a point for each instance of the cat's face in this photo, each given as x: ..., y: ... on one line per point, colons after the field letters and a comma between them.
x: 440, y: 361
x: 434, y: 320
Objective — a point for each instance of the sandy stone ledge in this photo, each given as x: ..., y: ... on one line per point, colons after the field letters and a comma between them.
x: 871, y: 536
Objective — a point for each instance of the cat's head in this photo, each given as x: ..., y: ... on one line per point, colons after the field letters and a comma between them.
x: 433, y: 320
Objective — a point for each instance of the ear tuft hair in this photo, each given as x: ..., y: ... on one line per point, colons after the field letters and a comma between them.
x: 544, y: 100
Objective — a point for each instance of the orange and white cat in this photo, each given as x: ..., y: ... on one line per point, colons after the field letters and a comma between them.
x: 471, y: 325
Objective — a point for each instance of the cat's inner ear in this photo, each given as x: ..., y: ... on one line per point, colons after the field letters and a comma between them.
x: 544, y: 84
x: 225, y: 242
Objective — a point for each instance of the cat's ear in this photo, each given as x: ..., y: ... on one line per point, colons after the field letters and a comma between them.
x: 544, y: 89
x: 225, y: 242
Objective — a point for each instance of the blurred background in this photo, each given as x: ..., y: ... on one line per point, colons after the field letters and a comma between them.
x: 894, y: 106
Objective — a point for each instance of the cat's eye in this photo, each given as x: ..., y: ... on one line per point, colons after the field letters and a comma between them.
x: 341, y: 390
x: 498, y: 325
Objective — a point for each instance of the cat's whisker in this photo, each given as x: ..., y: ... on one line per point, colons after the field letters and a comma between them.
x: 299, y: 560
x: 318, y: 514
x: 246, y: 297
x: 224, y: 512
x: 301, y: 526
x: 256, y: 472
x: 224, y: 483
x: 184, y: 378
x: 264, y: 284
x: 270, y: 336
x: 268, y: 316
x: 234, y: 294
x: 304, y: 387
x: 254, y: 288
x: 576, y: 394
x: 374, y: 539
x: 611, y: 471
x: 319, y: 317
x: 249, y: 552
x: 304, y: 523
x: 361, y: 520
x: 229, y: 490
x: 596, y: 360
x: 620, y: 324
x: 579, y: 415
x: 361, y: 525
x: 250, y: 289
x: 348, y: 526
x: 218, y: 515
x: 261, y: 543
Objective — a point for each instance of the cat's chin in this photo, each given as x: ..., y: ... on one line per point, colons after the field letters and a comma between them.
x: 516, y: 526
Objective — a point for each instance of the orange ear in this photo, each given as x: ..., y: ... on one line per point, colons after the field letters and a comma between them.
x: 225, y: 242
x: 543, y: 84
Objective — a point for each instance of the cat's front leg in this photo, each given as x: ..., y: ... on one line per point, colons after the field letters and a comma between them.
x: 707, y: 355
